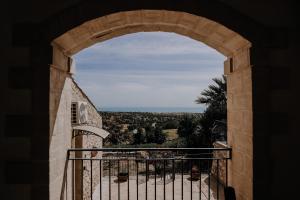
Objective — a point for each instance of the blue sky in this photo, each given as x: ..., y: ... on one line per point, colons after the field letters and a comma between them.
x: 153, y: 69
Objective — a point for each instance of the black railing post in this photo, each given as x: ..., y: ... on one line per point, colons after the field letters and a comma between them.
x: 182, y: 168
x: 91, y: 179
x: 146, y: 193
x: 173, y: 178
x: 200, y: 180
x: 191, y: 172
x: 154, y: 179
x: 109, y: 179
x: 100, y: 166
x: 66, y: 179
x: 118, y: 179
x: 128, y: 194
x: 164, y: 167
x: 208, y: 171
x: 137, y: 180
x: 217, y: 179
x: 73, y: 180
x: 82, y: 179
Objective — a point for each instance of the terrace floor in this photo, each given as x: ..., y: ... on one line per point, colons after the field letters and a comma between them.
x: 160, y: 188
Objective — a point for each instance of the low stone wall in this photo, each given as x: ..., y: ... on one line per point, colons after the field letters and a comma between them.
x: 219, y: 172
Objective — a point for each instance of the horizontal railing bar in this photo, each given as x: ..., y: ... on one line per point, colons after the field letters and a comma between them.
x: 176, y: 156
x: 179, y: 154
x: 108, y: 159
x: 149, y: 149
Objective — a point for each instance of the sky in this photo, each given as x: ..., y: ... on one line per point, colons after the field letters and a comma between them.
x: 153, y: 69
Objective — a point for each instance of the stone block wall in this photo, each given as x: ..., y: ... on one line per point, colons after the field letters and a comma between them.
x: 83, y: 169
x: 240, y: 124
x: 89, y: 142
x: 94, y: 118
x: 218, y: 170
x: 66, y: 91
x: 61, y: 140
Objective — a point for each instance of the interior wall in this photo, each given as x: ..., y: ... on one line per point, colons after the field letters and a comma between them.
x: 29, y: 26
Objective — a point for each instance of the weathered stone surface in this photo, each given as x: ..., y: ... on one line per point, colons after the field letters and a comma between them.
x: 218, y: 168
x: 64, y: 91
x: 210, y: 32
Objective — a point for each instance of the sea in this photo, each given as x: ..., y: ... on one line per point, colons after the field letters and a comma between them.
x: 153, y: 109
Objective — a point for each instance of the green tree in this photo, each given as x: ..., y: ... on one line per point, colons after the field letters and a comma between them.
x: 191, y: 133
x: 139, y: 136
x: 171, y: 124
x: 186, y: 126
x: 150, y: 136
x: 160, y: 136
x: 215, y: 99
x: 216, y: 95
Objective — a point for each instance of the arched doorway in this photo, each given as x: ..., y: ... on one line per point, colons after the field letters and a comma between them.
x: 237, y: 68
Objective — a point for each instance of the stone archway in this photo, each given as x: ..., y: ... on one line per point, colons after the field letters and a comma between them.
x: 202, y: 29
x: 229, y: 43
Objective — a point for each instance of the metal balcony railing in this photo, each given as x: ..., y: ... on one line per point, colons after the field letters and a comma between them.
x: 146, y: 173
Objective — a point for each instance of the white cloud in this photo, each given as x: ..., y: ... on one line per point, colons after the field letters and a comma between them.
x: 147, y: 69
x: 126, y: 46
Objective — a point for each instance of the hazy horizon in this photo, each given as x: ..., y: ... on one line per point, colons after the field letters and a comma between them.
x: 199, y: 109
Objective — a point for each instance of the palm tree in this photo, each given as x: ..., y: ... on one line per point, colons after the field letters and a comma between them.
x: 215, y: 95
x: 215, y: 99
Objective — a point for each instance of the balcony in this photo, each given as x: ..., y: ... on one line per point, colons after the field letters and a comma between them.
x: 146, y: 173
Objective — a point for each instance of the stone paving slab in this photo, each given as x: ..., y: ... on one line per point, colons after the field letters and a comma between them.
x: 159, y: 189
